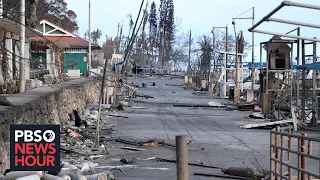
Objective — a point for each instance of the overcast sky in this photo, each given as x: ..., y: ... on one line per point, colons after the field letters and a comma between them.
x: 199, y: 16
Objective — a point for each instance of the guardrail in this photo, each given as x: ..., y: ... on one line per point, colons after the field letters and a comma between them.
x: 281, y: 165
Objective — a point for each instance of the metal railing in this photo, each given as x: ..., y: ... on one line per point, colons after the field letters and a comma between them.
x: 281, y: 153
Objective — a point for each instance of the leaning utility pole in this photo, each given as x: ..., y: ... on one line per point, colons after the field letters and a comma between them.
x: 100, y: 102
x: 253, y: 67
x: 189, y: 61
x: 1, y: 8
x: 22, y: 82
x: 89, y: 31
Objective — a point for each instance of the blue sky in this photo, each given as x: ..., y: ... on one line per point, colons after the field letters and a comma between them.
x: 199, y: 16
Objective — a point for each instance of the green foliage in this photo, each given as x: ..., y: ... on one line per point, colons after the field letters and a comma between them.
x: 55, y: 11
x: 166, y: 29
x: 205, y: 45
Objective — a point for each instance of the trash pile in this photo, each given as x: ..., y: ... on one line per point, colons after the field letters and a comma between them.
x: 85, y: 171
x: 78, y: 147
x: 78, y: 141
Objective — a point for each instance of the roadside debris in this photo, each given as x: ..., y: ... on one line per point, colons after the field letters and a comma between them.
x: 73, y: 134
x: 256, y: 115
x: 132, y: 148
x: 237, y: 171
x: 144, y: 85
x: 200, y: 93
x: 215, y: 104
x: 139, y: 107
x: 78, y: 120
x: 74, y: 173
x: 198, y: 105
x: 122, y: 167
x: 125, y: 161
x: 191, y: 164
x: 246, y: 107
x: 221, y: 176
x: 268, y: 124
x: 4, y: 101
x: 125, y: 103
x: 150, y: 143
x: 174, y: 84
x: 117, y: 116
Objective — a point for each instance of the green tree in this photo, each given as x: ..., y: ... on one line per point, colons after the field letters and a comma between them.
x: 205, y: 45
x: 96, y: 36
x: 166, y: 29
x: 55, y: 11
x: 153, y: 30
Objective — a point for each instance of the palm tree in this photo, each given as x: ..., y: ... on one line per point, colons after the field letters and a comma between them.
x: 131, y: 23
x: 205, y: 44
x: 96, y: 35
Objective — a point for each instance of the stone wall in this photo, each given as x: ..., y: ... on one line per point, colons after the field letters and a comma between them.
x: 48, y: 107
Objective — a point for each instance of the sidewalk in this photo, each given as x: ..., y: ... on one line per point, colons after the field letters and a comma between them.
x: 29, y: 96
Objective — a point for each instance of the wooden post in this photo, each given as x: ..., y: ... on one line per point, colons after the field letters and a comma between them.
x: 299, y: 159
x: 272, y: 163
x: 310, y: 152
x: 100, y: 102
x: 289, y: 157
x: 282, y: 157
x: 303, y: 158
x: 277, y: 168
x: 182, y: 158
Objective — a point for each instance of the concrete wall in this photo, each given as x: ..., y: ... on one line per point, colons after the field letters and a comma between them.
x: 45, y: 105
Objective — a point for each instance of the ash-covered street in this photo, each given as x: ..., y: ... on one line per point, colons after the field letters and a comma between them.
x: 214, y: 133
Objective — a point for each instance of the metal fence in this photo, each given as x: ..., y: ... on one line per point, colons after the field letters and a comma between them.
x: 284, y: 145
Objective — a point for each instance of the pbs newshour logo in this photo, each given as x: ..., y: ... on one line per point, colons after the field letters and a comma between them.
x: 34, y: 147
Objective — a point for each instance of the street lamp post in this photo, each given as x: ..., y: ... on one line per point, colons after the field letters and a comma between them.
x: 253, y: 68
x: 89, y: 31
x: 22, y: 81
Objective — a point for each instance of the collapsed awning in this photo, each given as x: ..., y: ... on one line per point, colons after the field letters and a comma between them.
x: 14, y: 27
x: 312, y: 66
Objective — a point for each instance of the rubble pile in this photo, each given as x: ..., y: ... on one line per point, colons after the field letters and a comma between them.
x: 85, y: 171
x: 78, y: 141
x: 78, y: 150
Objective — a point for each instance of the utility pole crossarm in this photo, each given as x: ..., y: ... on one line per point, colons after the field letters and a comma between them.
x: 242, y: 18
x: 218, y: 27
x: 252, y: 47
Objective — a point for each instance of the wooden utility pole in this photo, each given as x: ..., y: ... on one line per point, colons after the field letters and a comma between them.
x: 100, y: 102
x: 1, y: 8
x: 22, y: 80
x: 89, y: 29
x: 189, y: 61
x: 253, y: 66
x: 182, y: 158
x: 227, y: 38
x: 145, y: 20
x: 253, y: 60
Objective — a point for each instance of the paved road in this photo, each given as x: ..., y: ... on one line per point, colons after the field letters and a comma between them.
x: 215, y: 136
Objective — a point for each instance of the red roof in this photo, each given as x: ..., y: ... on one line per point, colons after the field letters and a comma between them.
x: 71, y: 41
